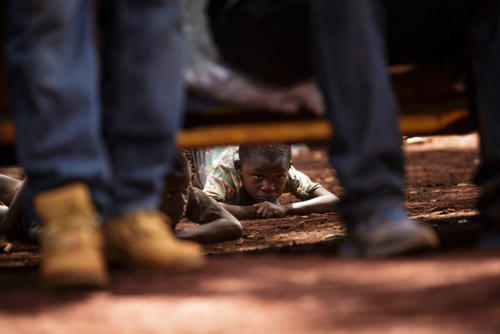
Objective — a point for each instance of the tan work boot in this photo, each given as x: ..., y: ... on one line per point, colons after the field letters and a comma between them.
x: 71, y: 241
x: 143, y: 239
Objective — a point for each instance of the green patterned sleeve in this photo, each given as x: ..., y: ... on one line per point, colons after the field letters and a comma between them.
x: 299, y: 184
x: 216, y: 183
x: 201, y: 208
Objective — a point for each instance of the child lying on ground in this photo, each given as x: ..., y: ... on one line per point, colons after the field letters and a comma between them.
x: 248, y: 181
x: 10, y: 208
x: 180, y: 200
x: 8, y: 188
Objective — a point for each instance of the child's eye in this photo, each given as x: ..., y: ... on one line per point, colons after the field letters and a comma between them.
x: 257, y: 177
x: 279, y: 177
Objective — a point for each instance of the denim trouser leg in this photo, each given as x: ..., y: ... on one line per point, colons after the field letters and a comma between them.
x: 351, y: 64
x: 53, y: 66
x: 120, y: 150
x: 143, y: 96
x: 486, y: 54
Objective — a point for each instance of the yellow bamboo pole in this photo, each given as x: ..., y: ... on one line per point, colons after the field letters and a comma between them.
x: 284, y: 131
x: 7, y: 132
x: 421, y: 124
x: 254, y: 133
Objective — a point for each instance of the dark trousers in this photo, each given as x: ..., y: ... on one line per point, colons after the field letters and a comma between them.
x: 351, y: 66
x: 105, y: 116
x: 485, y: 33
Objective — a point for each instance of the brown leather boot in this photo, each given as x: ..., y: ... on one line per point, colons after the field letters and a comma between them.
x: 71, y: 241
x: 143, y: 239
x: 388, y: 232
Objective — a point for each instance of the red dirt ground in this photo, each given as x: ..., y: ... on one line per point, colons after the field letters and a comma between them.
x: 283, y: 275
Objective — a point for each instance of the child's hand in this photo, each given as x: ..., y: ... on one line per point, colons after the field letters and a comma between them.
x: 269, y: 210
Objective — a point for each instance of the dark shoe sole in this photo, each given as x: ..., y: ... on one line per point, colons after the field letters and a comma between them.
x: 67, y: 280
x: 419, y: 239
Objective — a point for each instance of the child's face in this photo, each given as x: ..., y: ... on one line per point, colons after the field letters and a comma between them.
x: 175, y: 199
x: 264, y: 180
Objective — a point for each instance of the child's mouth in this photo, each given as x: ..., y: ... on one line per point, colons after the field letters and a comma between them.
x: 267, y: 198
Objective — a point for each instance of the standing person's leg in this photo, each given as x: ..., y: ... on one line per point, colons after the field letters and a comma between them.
x: 143, y: 90
x: 485, y: 31
x: 52, y: 64
x: 366, y: 145
x: 143, y: 101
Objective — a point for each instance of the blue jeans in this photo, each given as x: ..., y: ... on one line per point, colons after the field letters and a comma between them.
x: 351, y: 65
x: 485, y: 32
x: 105, y: 116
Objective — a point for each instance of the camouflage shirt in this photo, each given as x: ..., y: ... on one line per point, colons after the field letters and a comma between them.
x: 201, y: 208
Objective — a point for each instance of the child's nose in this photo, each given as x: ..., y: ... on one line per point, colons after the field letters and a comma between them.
x: 267, y: 185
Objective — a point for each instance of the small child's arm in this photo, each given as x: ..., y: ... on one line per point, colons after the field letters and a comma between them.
x: 12, y: 217
x: 320, y: 201
x: 227, y: 227
x: 216, y: 224
x: 8, y: 188
x: 240, y: 211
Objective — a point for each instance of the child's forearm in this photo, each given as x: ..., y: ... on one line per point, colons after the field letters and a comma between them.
x: 240, y: 212
x: 319, y: 204
x: 215, y: 231
x: 8, y: 188
x: 3, y: 213
x: 12, y: 219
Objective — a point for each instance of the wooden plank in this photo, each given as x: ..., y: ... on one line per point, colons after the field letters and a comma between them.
x: 298, y: 131
x: 305, y: 131
x: 283, y: 131
x: 416, y: 124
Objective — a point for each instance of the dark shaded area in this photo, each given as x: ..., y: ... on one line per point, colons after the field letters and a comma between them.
x: 271, y: 40
x: 428, y: 32
x: 409, y: 297
x: 8, y: 155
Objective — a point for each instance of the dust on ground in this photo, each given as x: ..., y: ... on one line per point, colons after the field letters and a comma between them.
x: 283, y: 275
